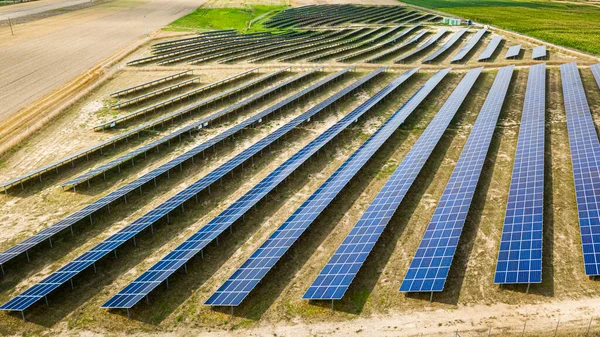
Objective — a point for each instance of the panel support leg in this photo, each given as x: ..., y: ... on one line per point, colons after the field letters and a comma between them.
x: 527, y: 291
x: 23, y: 315
x: 128, y: 316
x: 431, y: 297
x: 72, y: 286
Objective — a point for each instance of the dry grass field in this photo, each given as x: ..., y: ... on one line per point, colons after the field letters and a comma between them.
x: 470, y: 303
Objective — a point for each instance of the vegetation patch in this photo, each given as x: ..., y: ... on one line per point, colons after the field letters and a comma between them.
x: 567, y: 24
x: 226, y: 18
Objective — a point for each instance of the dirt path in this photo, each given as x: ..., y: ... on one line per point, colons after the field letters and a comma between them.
x: 36, y: 7
x: 45, y: 54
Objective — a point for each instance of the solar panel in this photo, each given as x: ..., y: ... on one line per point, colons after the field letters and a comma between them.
x: 445, y: 46
x: 388, y: 51
x: 89, y: 258
x: 366, y: 42
x: 96, y: 171
x: 429, y: 267
x: 539, y: 52
x: 122, y: 191
x: 470, y: 45
x: 513, y: 51
x: 161, y: 270
x: 338, y: 273
x: 490, y: 49
x: 585, y: 156
x: 151, y: 83
x: 124, y: 136
x: 423, y: 46
x: 520, y: 255
x: 239, y: 285
x: 596, y: 72
x: 388, y: 41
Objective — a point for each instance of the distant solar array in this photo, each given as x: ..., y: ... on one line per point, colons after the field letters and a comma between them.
x: 585, y: 157
x: 520, y: 255
x: 429, y: 267
x: 396, y: 48
x: 454, y: 39
x: 333, y: 15
x: 202, y: 123
x: 54, y: 166
x: 432, y: 40
x: 469, y: 46
x: 390, y: 41
x: 245, y: 279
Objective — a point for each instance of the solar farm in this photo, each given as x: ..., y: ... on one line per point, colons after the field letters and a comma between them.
x: 349, y: 162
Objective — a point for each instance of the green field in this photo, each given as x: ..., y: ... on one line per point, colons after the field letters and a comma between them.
x: 567, y: 24
x: 223, y: 18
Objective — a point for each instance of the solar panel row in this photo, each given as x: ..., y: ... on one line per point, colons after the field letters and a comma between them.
x: 151, y: 83
x: 585, y: 157
x: 122, y: 191
x: 469, y: 46
x: 337, y: 275
x: 179, y: 98
x: 160, y: 271
x: 124, y: 136
x: 490, y: 49
x: 423, y: 46
x: 353, y: 46
x: 429, y: 268
x: 388, y: 51
x: 333, y: 47
x: 349, y: 38
x: 89, y: 258
x: 161, y: 91
x: 380, y: 45
x: 296, y: 49
x: 243, y: 280
x: 520, y: 255
x: 102, y: 169
x: 445, y: 46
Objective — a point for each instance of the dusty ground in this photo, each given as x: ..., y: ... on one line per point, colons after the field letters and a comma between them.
x: 470, y: 303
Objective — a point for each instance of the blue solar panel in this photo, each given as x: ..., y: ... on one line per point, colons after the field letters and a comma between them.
x: 470, y: 45
x: 520, y: 255
x: 337, y: 275
x: 596, y: 72
x: 539, y: 52
x: 150, y: 279
x: 121, y: 192
x: 89, y: 258
x: 388, y: 51
x: 239, y: 285
x: 513, y: 51
x: 585, y: 156
x: 490, y: 49
x: 137, y: 130
x: 196, y: 125
x: 423, y: 46
x: 430, y: 266
x: 388, y: 41
x: 445, y: 46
